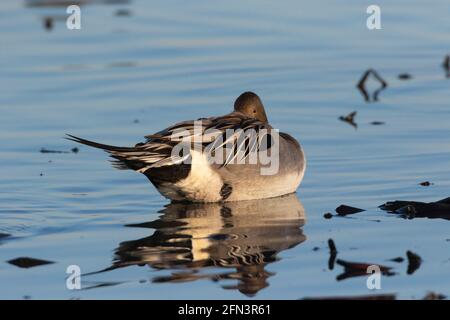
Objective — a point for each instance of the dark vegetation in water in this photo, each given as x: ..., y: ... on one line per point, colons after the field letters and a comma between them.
x: 404, y: 76
x: 361, y: 85
x: 328, y: 215
x: 105, y: 284
x: 344, y: 210
x: 414, y: 262
x: 48, y: 23
x: 414, y: 209
x: 446, y: 66
x: 4, y: 235
x: 373, y: 96
x: 333, y: 254
x: 123, y: 13
x: 377, y: 123
x: 73, y: 150
x: 26, y: 262
x: 398, y: 259
x: 358, y: 269
x: 405, y: 209
x: 350, y: 119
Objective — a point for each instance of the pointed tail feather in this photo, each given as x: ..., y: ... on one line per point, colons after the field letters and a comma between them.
x: 122, y: 155
x: 102, y: 146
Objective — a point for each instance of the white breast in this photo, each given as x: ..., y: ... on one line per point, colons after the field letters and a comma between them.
x: 203, y: 184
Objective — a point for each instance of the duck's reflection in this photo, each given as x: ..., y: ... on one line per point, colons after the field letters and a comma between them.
x: 240, y: 237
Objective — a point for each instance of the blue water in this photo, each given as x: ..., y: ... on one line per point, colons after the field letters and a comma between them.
x: 172, y: 61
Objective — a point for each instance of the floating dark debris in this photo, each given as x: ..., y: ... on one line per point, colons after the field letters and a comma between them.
x: 48, y: 23
x: 434, y: 296
x: 377, y: 123
x: 414, y: 209
x: 43, y: 150
x: 414, y: 262
x: 404, y: 76
x: 446, y: 66
x: 425, y: 184
x: 26, y: 262
x: 357, y: 269
x: 361, y: 85
x: 73, y: 150
x: 344, y: 210
x: 398, y: 259
x: 328, y: 215
x: 363, y: 297
x: 333, y: 254
x: 350, y: 119
x: 332, y: 246
x: 4, y: 235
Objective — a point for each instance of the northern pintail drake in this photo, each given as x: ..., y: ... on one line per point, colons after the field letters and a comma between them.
x: 238, y: 156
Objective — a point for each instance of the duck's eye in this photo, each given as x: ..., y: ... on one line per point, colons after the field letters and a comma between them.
x: 254, y: 111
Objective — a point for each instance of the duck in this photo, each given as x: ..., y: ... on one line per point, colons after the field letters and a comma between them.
x: 235, y: 157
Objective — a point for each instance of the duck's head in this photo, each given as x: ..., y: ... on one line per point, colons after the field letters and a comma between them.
x: 249, y: 104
